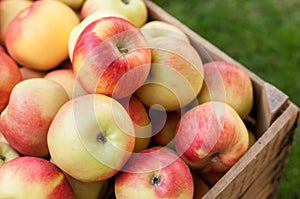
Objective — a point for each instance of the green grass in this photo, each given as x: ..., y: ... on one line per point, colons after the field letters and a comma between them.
x: 263, y: 35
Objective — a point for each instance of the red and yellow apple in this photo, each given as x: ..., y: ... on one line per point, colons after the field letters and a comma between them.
x: 10, y: 75
x: 66, y: 78
x: 155, y: 28
x: 9, y: 9
x: 176, y: 74
x: 141, y: 120
x: 154, y: 173
x: 134, y: 10
x: 76, y: 31
x: 100, y: 137
x: 32, y: 106
x: 228, y: 83
x: 111, y: 57
x: 37, y: 37
x: 211, y: 137
x: 33, y: 177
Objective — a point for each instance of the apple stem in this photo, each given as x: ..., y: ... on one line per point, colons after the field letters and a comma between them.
x: 125, y: 1
x: 155, y: 180
x: 101, y: 137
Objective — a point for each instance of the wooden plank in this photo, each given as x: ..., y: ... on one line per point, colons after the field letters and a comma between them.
x: 268, y: 180
x: 254, y: 163
x: 265, y: 108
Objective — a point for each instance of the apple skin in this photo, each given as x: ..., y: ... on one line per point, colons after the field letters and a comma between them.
x: 74, y: 4
x: 141, y: 120
x: 211, y: 178
x: 28, y: 73
x: 10, y: 75
x: 153, y: 29
x: 76, y: 31
x: 84, y: 190
x: 176, y: 74
x: 100, y: 137
x: 155, y: 172
x: 134, y: 10
x: 7, y: 153
x: 111, y: 57
x: 8, y: 10
x: 227, y: 83
x: 165, y: 137
x: 252, y: 138
x: 211, y: 137
x: 67, y: 79
x: 39, y: 29
x: 33, y: 177
x: 200, y: 186
x: 2, y: 138
x: 32, y: 106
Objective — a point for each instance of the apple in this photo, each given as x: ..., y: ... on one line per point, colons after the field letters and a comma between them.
x: 76, y: 31
x: 91, y: 137
x: 211, y: 137
x: 74, y: 4
x: 66, y: 78
x: 200, y: 187
x: 176, y: 74
x: 84, y: 190
x: 37, y: 37
x: 211, y: 178
x: 134, y: 10
x: 7, y: 153
x: 2, y: 138
x: 252, y: 138
x: 166, y: 135
x: 141, y: 120
x: 154, y: 173
x: 8, y: 11
x: 10, y: 75
x: 111, y: 57
x: 32, y: 106
x: 228, y: 83
x: 28, y: 73
x: 155, y: 28
x: 33, y: 177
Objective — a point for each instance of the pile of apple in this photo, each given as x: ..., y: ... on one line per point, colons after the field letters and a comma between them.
x: 99, y: 101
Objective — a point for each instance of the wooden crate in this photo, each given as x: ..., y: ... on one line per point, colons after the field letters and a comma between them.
x: 274, y: 119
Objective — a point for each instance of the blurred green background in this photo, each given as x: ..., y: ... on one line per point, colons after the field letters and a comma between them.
x: 263, y: 35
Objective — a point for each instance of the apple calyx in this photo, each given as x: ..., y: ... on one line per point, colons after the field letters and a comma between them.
x: 155, y: 180
x: 101, y: 137
x: 214, y: 157
x: 126, y: 1
x: 123, y: 50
